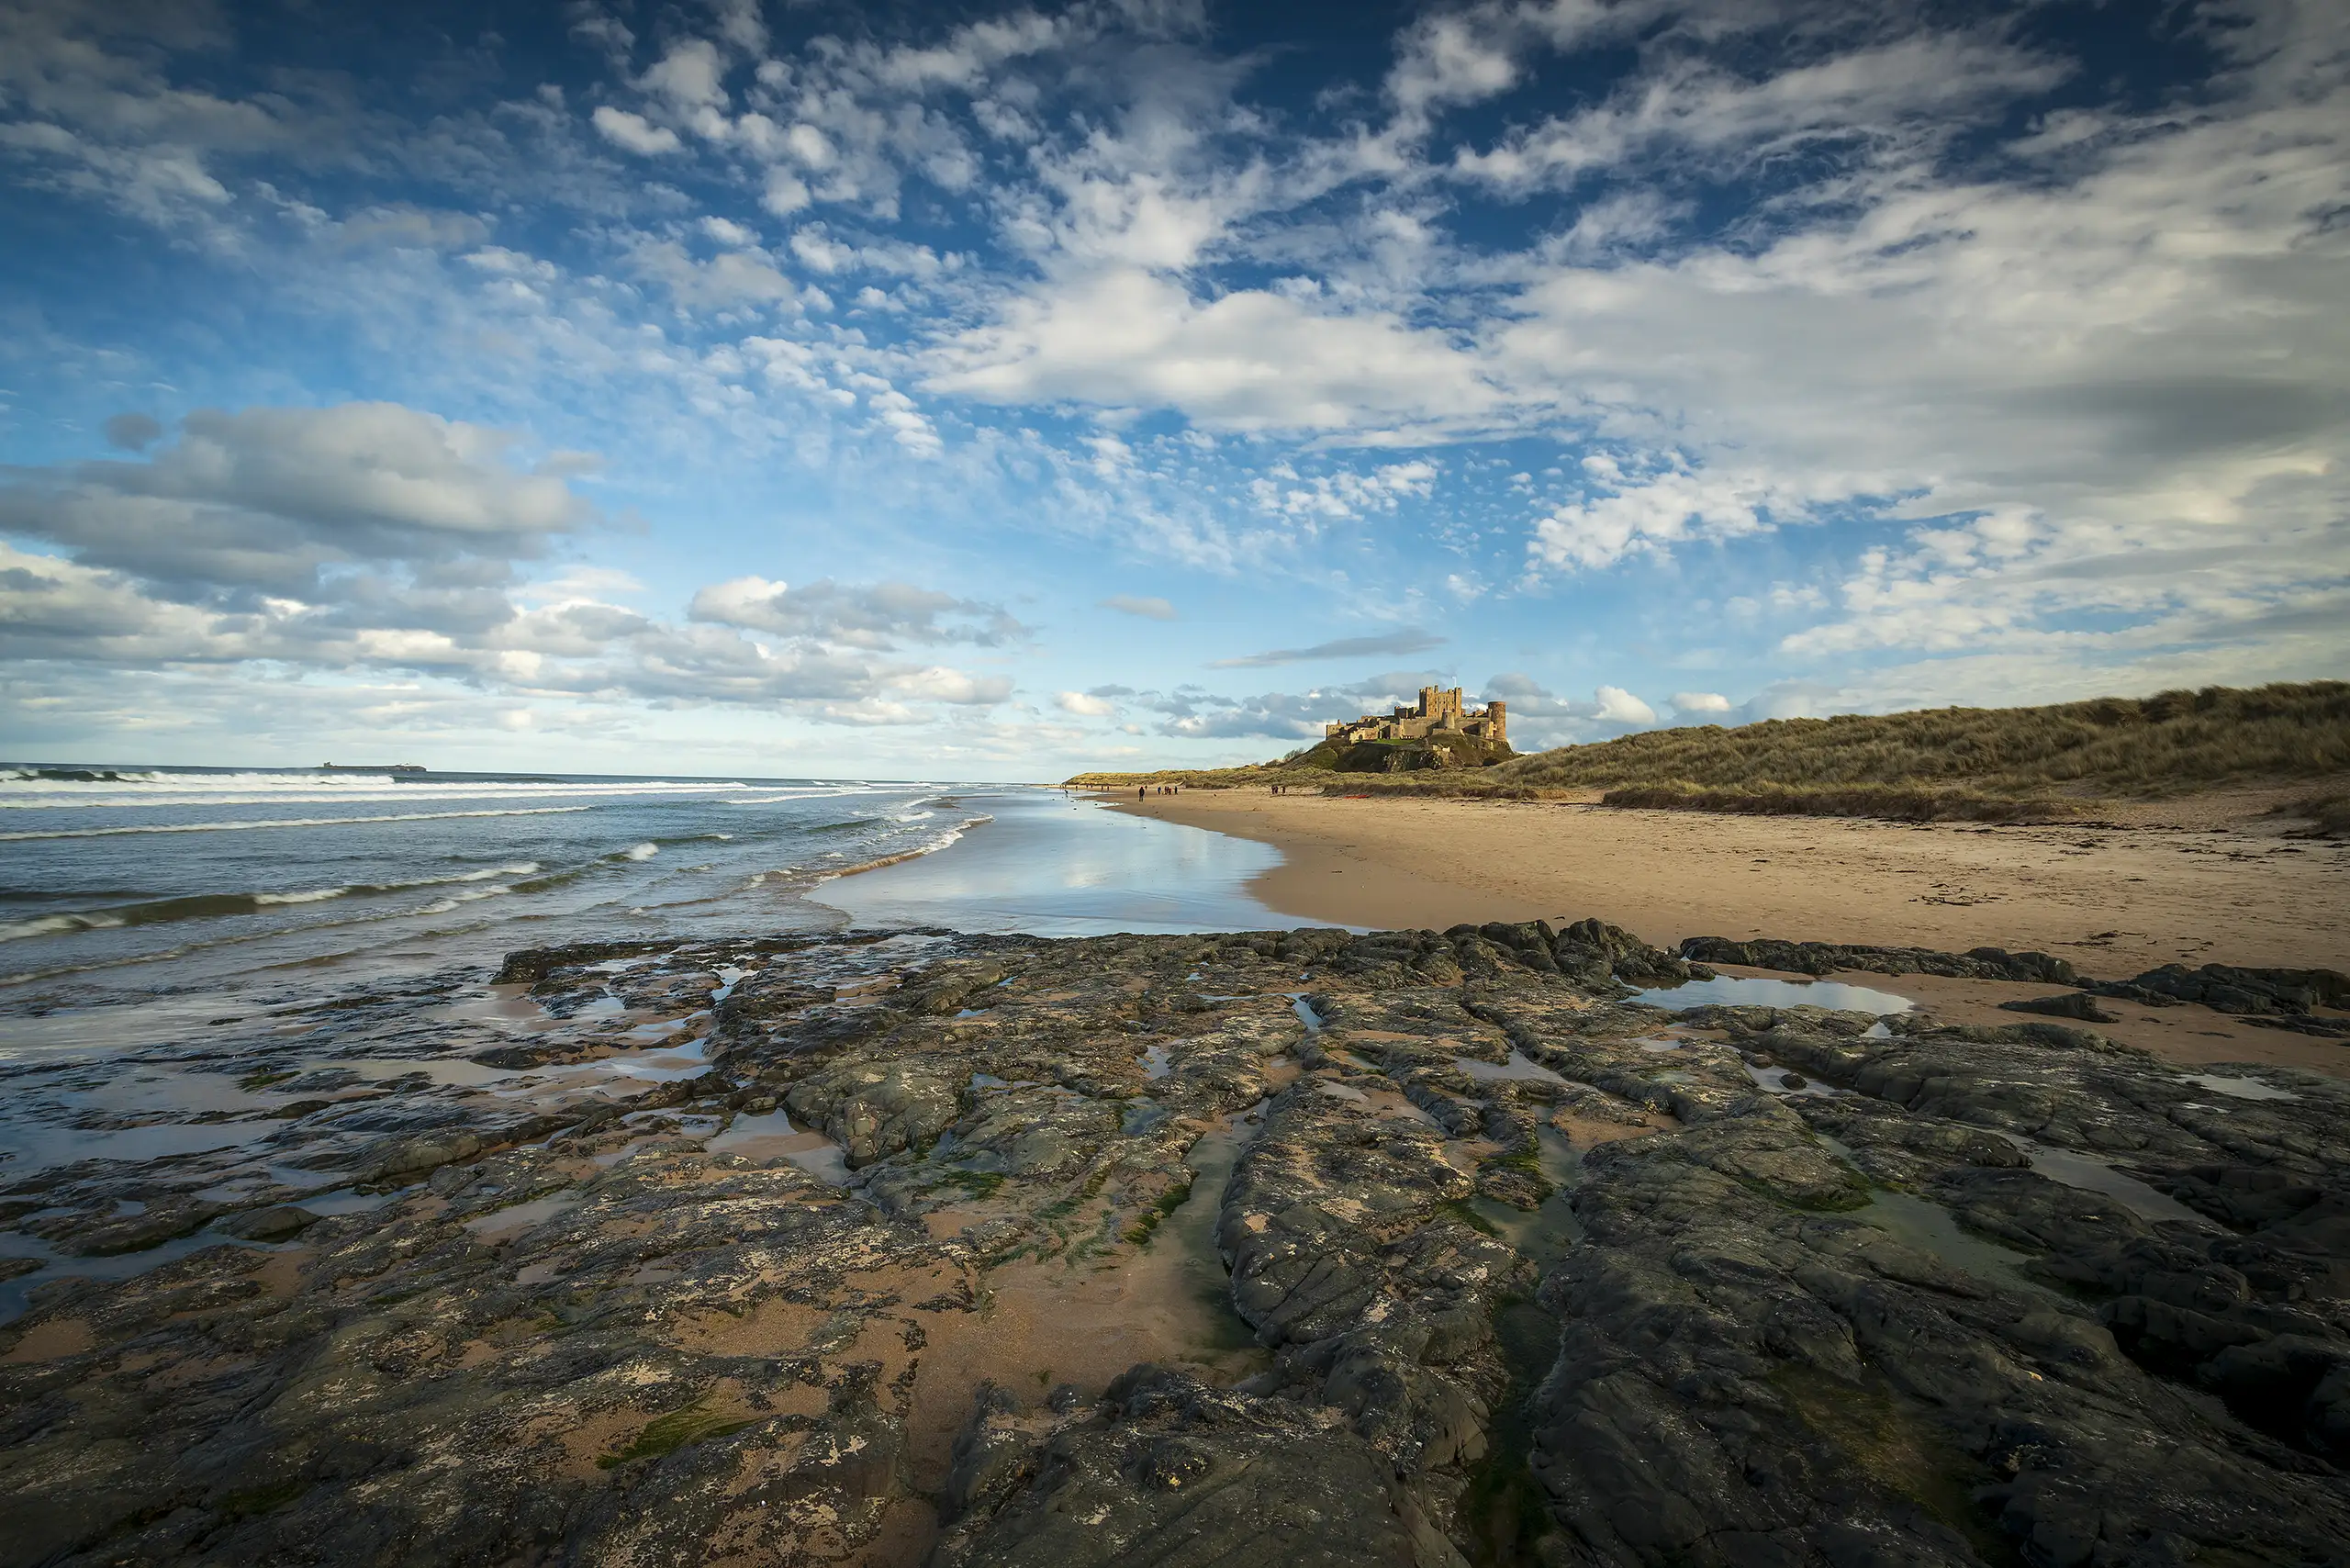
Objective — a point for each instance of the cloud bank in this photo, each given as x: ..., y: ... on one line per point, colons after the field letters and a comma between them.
x: 1841, y: 357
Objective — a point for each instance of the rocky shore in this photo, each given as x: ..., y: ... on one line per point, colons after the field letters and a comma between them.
x: 1273, y: 1248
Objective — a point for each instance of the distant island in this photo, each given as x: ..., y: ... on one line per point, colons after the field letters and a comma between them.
x: 2067, y: 761
x: 372, y: 767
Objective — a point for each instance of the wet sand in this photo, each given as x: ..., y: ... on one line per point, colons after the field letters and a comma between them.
x: 2114, y: 901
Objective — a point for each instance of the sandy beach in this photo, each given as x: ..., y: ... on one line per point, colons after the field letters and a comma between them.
x: 2114, y: 901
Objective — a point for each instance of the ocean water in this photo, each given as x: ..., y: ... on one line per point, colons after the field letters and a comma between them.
x: 144, y: 879
x: 221, y: 986
x: 122, y: 884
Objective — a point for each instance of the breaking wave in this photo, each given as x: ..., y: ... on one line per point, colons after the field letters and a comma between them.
x: 211, y: 906
x: 284, y: 821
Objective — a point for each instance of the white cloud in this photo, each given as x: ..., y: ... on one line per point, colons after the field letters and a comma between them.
x: 1082, y: 702
x: 2072, y: 397
x: 1620, y: 707
x: 282, y: 500
x: 1345, y: 493
x: 939, y: 684
x: 1450, y: 59
x: 633, y: 133
x: 1410, y: 640
x: 1540, y: 717
x: 877, y: 616
x: 2114, y: 389
x: 1895, y: 95
x: 377, y: 536
x: 1636, y: 514
x: 1249, y: 360
x: 730, y: 278
x: 1700, y: 703
x: 687, y: 76
x: 86, y: 105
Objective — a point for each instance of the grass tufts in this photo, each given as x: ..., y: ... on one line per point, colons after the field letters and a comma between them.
x: 1895, y: 802
x: 1941, y: 764
x: 2173, y: 744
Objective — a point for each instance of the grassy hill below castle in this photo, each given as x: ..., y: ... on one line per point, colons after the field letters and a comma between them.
x: 1981, y: 763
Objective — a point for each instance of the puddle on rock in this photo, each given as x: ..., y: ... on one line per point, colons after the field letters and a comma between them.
x: 1738, y: 991
x: 1774, y: 1081
x: 688, y: 1061
x: 1190, y: 1232
x: 1932, y: 1229
x: 444, y: 1071
x: 2239, y: 1087
x: 771, y: 1136
x: 1518, y: 1066
x: 1502, y: 1505
x: 15, y: 1293
x: 516, y: 1218
x: 2093, y: 1175
x: 1155, y: 1062
x: 42, y: 1147
x: 1544, y: 1233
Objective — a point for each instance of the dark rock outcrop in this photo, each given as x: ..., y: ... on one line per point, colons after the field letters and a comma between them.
x: 2068, y: 1004
x: 2230, y: 989
x: 1476, y: 1263
x: 1826, y: 957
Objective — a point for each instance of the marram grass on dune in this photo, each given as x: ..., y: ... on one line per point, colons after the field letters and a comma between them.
x: 1984, y: 763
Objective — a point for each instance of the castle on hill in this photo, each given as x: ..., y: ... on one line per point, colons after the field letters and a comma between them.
x: 1440, y: 712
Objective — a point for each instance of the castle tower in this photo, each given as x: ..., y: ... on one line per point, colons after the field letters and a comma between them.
x: 1497, y: 716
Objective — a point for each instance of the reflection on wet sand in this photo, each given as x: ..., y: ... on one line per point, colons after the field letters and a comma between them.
x: 1056, y: 867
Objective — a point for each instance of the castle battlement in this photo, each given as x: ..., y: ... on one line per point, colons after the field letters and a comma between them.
x: 1442, y: 711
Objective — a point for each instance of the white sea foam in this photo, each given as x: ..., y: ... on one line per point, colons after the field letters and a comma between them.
x: 201, y: 906
x: 471, y: 895
x: 52, y: 924
x: 285, y: 821
x: 945, y: 840
x: 789, y: 797
x: 21, y: 793
x: 314, y: 895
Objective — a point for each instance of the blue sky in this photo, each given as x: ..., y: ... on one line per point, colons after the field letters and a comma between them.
x: 990, y: 392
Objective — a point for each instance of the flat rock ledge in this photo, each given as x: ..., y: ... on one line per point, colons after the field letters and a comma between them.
x: 1273, y: 1248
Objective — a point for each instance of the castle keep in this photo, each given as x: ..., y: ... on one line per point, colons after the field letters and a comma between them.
x: 1440, y: 712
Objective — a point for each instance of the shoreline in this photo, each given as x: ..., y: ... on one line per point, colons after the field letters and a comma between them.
x: 2177, y: 895
x: 2114, y: 901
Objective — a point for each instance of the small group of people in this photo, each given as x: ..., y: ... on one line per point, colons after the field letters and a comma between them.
x: 1144, y: 790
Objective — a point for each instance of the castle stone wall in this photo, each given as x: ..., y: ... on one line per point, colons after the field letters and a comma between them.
x: 1440, y: 711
